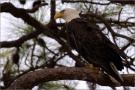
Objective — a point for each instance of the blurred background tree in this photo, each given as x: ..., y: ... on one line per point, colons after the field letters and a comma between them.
x: 24, y: 48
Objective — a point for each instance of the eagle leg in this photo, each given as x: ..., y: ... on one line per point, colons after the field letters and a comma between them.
x: 91, y: 66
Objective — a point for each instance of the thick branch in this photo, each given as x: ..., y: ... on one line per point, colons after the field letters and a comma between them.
x: 31, y: 79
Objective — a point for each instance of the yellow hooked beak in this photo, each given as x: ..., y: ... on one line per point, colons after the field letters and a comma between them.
x: 58, y: 15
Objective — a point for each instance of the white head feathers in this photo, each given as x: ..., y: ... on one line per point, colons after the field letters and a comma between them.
x: 69, y: 14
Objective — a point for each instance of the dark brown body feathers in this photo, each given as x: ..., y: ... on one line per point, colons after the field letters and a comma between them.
x: 94, y: 46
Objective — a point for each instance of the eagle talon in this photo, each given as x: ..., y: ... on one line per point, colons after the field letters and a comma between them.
x: 97, y: 68
x: 90, y: 66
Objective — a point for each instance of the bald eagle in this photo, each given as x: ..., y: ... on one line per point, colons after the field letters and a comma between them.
x: 92, y: 44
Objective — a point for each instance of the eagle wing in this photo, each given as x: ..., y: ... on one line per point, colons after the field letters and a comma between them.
x: 94, y: 46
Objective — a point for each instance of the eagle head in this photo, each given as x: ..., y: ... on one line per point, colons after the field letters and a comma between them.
x: 67, y: 14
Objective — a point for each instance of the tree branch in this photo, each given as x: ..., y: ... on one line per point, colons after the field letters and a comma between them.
x: 84, y: 1
x: 22, y: 13
x: 34, y: 9
x: 31, y: 79
x: 123, y: 1
x: 109, y: 27
x: 18, y: 42
x: 111, y: 1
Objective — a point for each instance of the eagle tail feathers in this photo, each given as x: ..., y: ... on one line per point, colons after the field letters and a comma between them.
x: 119, y: 79
x: 116, y: 83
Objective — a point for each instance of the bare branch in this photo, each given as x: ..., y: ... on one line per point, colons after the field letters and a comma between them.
x: 21, y: 13
x: 34, y: 9
x: 18, y: 42
x: 84, y: 1
x: 109, y: 27
x: 123, y: 1
x: 31, y: 79
x: 119, y: 14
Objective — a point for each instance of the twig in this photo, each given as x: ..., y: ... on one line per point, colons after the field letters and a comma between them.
x: 34, y: 9
x: 119, y: 14
x: 32, y: 53
x: 84, y: 1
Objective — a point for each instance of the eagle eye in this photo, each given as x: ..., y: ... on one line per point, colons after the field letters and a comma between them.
x: 62, y: 11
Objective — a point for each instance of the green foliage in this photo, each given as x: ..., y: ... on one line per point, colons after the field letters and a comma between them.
x: 60, y: 85
x: 5, y: 52
x: 51, y: 85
